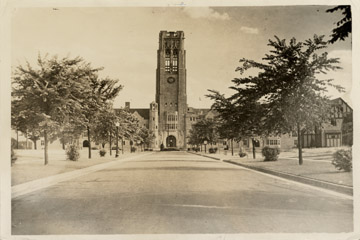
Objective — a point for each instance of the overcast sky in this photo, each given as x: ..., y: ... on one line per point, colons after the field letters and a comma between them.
x: 125, y: 40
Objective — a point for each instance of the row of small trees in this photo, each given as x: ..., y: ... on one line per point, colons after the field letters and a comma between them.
x: 60, y: 98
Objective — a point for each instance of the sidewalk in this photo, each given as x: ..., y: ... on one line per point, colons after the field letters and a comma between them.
x: 316, y: 170
x: 30, y: 163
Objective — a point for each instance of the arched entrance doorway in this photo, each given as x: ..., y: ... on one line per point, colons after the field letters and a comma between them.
x: 171, y: 141
x: 86, y: 143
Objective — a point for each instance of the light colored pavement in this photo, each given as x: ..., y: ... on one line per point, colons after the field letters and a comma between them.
x: 177, y: 192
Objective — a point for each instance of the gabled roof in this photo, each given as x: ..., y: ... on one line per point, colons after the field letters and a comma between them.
x: 143, y: 112
x: 339, y: 99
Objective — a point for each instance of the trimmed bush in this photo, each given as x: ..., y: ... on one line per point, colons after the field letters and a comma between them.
x: 342, y: 160
x: 102, y: 152
x: 270, y: 154
x: 133, y: 149
x: 72, y: 153
x: 196, y: 149
x: 213, y: 150
x: 242, y: 154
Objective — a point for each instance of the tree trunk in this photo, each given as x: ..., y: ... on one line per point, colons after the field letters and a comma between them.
x: 110, y: 143
x: 299, y: 144
x: 35, y: 147
x: 17, y: 139
x: 63, y: 141
x: 46, y: 148
x: 232, y: 147
x: 253, y: 148
x: 122, y: 145
x: 88, y: 133
x: 26, y: 137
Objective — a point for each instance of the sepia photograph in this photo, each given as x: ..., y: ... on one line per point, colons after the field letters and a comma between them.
x: 179, y: 121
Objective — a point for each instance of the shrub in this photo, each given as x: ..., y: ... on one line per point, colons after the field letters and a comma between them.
x: 13, y: 156
x: 270, y: 154
x: 213, y: 150
x: 196, y: 149
x: 342, y: 160
x: 72, y: 153
x: 242, y: 154
x: 133, y: 149
x: 102, y: 152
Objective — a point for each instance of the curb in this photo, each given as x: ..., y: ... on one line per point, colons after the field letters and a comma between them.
x: 28, y: 187
x: 306, y: 180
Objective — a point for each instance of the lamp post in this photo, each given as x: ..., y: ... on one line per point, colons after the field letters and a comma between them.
x: 117, y: 124
x: 205, y: 142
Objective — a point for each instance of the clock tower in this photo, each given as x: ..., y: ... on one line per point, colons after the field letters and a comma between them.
x: 171, y: 90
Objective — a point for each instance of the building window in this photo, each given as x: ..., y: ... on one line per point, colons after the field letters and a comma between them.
x: 166, y: 104
x: 245, y: 142
x: 333, y: 122
x: 153, y: 118
x: 42, y: 143
x: 167, y: 64
x: 273, y: 142
x: 295, y: 142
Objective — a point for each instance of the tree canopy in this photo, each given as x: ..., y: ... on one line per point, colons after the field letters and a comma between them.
x: 344, y: 26
x: 56, y: 97
x: 287, y: 94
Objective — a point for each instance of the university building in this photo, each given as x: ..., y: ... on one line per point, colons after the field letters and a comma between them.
x: 170, y: 117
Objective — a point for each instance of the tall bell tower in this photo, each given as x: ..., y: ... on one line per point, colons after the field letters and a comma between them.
x: 171, y: 89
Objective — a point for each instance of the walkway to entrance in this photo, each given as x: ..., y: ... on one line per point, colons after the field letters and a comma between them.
x: 171, y: 141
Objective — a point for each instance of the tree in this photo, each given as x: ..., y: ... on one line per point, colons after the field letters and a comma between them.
x: 46, y: 95
x: 288, y: 88
x: 203, y: 130
x: 343, y: 26
x: 103, y: 92
x: 239, y: 117
x: 147, y: 136
x: 104, y: 128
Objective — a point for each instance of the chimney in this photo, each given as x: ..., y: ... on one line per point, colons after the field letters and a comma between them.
x: 127, y: 105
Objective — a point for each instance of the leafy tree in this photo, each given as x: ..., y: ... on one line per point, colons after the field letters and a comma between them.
x: 103, y: 92
x: 128, y: 126
x: 343, y: 26
x: 147, y: 136
x: 287, y: 87
x: 203, y: 130
x: 239, y: 116
x: 45, y: 95
x: 104, y: 129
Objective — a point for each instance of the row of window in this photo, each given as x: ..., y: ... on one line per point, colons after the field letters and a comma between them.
x: 170, y: 104
x: 171, y: 64
x: 172, y: 118
x: 273, y: 142
x: 194, y: 118
x: 171, y: 126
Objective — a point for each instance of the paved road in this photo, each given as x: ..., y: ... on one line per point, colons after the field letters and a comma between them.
x: 177, y: 192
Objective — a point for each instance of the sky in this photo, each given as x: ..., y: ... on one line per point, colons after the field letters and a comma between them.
x: 124, y: 40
